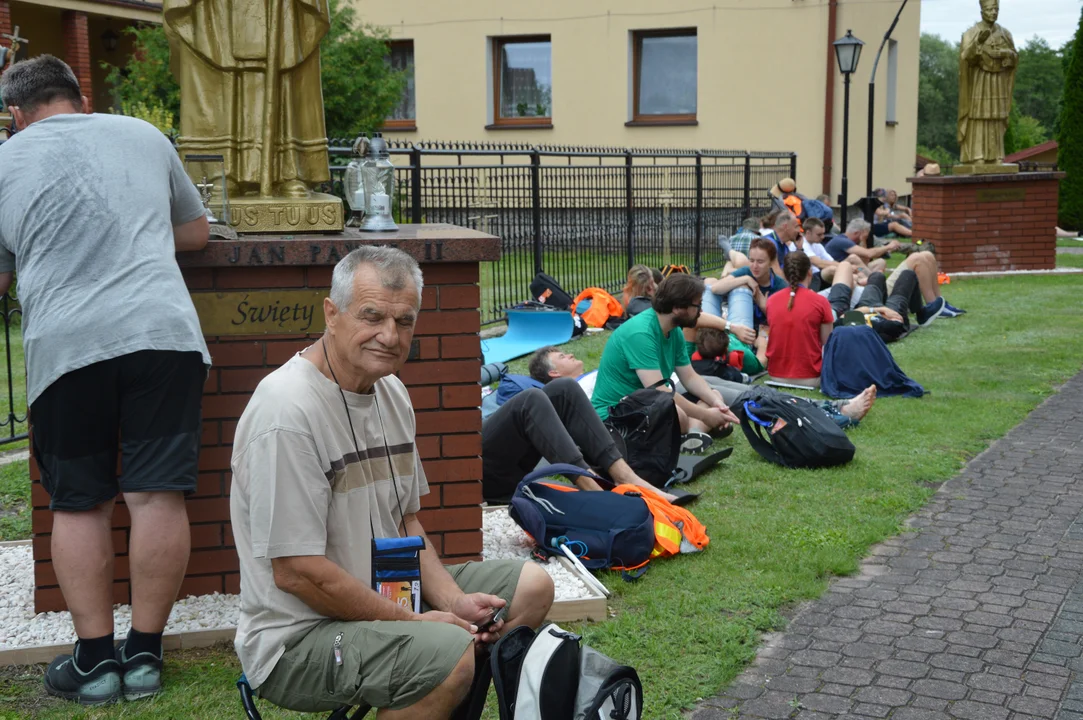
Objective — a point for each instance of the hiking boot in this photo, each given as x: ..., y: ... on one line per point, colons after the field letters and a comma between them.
x: 927, y: 314
x: 99, y: 686
x: 142, y: 674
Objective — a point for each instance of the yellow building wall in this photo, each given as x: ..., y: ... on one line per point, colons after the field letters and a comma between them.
x: 761, y: 76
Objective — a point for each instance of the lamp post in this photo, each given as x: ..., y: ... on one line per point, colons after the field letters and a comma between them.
x: 848, y: 52
x: 872, y: 106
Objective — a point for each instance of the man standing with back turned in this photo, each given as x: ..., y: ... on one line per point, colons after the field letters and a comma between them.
x: 92, y: 210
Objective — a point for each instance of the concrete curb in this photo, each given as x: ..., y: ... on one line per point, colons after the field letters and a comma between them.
x: 177, y: 641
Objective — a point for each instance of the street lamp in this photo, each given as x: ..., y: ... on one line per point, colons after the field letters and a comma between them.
x: 848, y: 52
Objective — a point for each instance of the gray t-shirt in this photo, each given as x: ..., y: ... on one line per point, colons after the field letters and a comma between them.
x: 87, y: 208
x: 300, y: 487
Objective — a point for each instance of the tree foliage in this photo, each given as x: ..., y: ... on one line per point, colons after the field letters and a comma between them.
x: 938, y: 94
x: 145, y: 86
x: 360, y: 88
x: 1035, y: 103
x: 1038, y: 83
x: 1070, y: 152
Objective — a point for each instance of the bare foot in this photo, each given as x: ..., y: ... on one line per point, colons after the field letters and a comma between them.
x: 859, y: 406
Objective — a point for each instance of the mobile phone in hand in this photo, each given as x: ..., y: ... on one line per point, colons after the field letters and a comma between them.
x: 496, y: 616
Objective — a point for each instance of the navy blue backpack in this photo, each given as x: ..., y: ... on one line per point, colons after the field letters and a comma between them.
x: 603, y: 529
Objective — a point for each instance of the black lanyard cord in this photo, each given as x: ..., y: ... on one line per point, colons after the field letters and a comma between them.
x: 357, y: 449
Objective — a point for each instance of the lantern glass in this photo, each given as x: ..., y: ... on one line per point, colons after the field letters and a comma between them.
x: 848, y: 52
x: 378, y: 179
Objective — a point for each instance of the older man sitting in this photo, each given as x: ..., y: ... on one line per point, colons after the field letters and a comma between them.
x: 324, y: 462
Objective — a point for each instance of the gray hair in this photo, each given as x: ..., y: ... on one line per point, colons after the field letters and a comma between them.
x: 41, y: 80
x: 858, y: 225
x: 783, y: 219
x: 393, y: 266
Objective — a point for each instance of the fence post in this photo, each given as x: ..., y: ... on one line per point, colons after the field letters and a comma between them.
x: 415, y: 184
x: 699, y: 212
x: 629, y: 209
x: 748, y: 185
x: 793, y: 165
x: 535, y: 193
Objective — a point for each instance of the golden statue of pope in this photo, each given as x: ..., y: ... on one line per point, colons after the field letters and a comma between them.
x: 249, y: 73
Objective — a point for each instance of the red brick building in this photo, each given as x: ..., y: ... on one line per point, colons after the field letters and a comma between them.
x: 84, y: 33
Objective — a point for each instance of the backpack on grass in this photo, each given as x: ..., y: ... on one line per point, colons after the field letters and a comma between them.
x: 604, y: 530
x: 546, y: 290
x: 549, y: 676
x: 648, y: 423
x: 791, y: 431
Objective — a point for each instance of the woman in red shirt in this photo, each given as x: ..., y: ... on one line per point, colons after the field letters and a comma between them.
x: 799, y: 322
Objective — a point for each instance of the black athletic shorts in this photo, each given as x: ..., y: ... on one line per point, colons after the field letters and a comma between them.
x: 146, y: 404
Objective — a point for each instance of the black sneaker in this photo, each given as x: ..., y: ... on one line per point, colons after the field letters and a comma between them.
x: 99, y: 686
x: 142, y: 674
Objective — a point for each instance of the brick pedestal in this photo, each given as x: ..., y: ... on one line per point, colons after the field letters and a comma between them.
x: 442, y: 376
x: 989, y: 222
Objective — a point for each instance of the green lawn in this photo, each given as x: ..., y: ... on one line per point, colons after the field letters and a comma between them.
x: 15, y: 501
x: 777, y: 536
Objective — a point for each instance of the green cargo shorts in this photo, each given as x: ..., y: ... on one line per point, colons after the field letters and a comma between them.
x: 385, y: 664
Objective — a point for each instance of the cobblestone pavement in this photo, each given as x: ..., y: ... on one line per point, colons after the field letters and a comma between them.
x: 976, y: 613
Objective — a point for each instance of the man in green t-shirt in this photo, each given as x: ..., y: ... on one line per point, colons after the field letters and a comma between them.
x: 650, y: 347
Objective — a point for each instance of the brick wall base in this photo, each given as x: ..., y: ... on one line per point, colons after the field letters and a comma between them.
x: 989, y: 222
x: 443, y: 383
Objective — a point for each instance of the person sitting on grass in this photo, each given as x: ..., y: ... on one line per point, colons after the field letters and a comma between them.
x: 851, y: 247
x: 897, y: 211
x: 638, y: 290
x: 884, y: 225
x: 823, y: 265
x: 746, y: 290
x: 800, y: 323
x: 711, y: 357
x: 649, y: 348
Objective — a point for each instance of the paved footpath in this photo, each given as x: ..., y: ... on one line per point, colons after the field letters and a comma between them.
x: 976, y: 613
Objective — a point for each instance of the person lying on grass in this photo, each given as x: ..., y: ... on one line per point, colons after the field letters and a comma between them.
x: 551, y: 363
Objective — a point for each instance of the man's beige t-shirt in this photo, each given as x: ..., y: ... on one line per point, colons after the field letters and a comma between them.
x: 300, y: 487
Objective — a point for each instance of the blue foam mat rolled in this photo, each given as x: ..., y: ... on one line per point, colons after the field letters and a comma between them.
x: 528, y: 330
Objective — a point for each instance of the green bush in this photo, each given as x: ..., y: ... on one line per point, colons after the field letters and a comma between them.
x: 1070, y: 153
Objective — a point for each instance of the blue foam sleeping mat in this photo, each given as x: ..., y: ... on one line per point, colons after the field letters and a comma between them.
x: 528, y: 330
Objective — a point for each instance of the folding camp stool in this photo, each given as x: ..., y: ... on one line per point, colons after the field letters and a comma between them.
x: 248, y: 702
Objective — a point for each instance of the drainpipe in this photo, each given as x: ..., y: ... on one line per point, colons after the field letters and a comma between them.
x: 829, y: 96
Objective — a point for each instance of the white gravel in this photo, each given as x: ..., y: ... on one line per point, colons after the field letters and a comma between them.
x: 20, y: 627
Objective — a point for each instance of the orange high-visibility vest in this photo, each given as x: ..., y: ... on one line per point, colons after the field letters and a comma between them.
x: 602, y: 306
x: 671, y: 523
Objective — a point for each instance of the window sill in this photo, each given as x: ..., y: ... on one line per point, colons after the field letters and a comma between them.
x: 520, y: 126
x: 891, y: 123
x: 405, y: 127
x: 660, y: 123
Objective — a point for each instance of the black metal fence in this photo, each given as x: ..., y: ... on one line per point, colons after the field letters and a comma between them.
x: 13, y: 423
x: 581, y: 214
